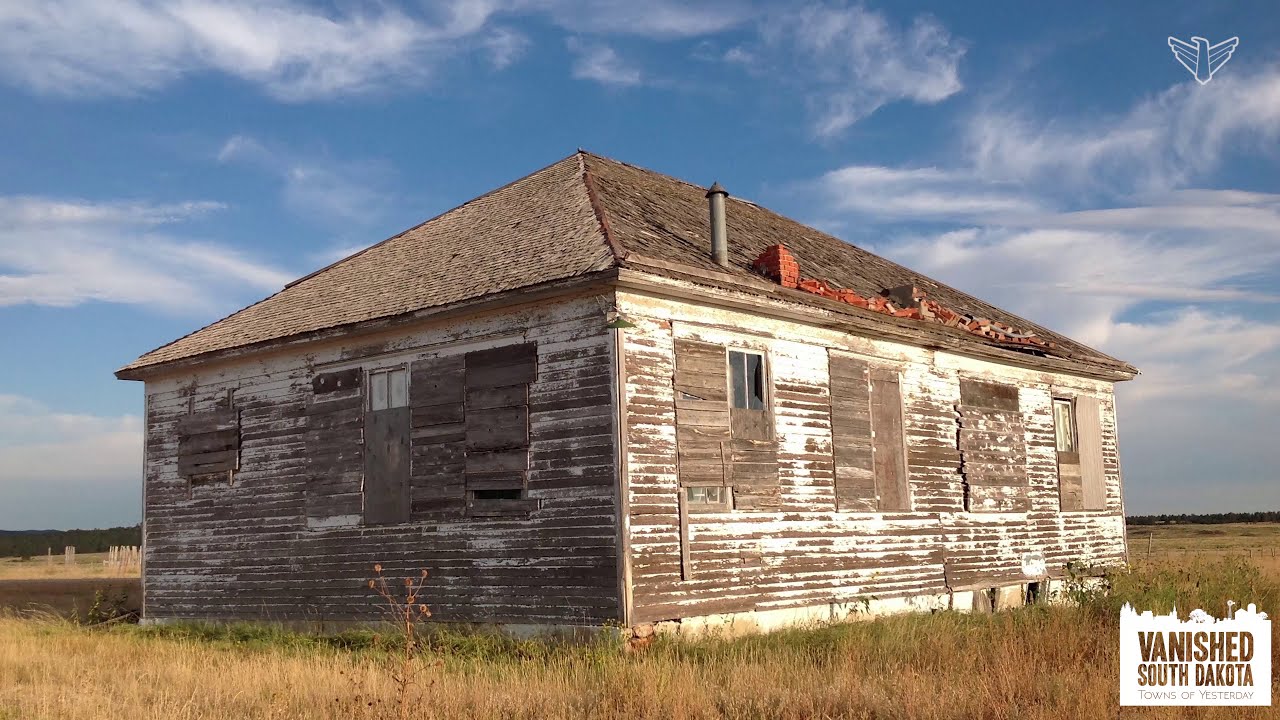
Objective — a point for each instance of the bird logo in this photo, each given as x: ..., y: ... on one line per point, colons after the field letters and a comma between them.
x: 1200, y: 58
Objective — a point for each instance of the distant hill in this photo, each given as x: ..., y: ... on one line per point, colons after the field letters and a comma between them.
x: 1206, y: 519
x: 30, y: 543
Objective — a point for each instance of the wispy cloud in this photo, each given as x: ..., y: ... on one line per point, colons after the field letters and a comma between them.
x: 1083, y: 281
x: 296, y: 51
x: 64, y: 252
x: 917, y: 193
x: 851, y: 61
x: 314, y: 186
x: 601, y: 63
x: 1163, y: 142
x: 657, y: 19
x: 47, y: 456
x: 292, y: 50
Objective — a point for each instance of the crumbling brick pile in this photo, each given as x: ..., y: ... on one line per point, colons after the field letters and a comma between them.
x: 778, y: 264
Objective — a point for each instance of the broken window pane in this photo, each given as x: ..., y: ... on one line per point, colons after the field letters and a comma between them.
x: 746, y: 379
x: 1064, y: 425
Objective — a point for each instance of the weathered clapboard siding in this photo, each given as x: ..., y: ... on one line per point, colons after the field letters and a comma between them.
x: 810, y: 552
x: 284, y: 540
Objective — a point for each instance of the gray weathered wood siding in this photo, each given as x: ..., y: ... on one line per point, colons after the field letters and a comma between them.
x: 285, y: 539
x: 821, y: 546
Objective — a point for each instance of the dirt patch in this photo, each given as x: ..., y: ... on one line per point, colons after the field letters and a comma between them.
x: 68, y: 596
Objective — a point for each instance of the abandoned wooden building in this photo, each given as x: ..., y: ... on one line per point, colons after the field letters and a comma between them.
x: 601, y: 395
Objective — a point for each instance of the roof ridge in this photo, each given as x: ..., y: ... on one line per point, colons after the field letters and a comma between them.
x: 673, y: 178
x: 602, y: 218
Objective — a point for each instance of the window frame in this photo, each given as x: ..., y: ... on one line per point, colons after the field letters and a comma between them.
x: 387, y: 372
x: 724, y: 504
x: 766, y: 423
x: 1068, y: 458
x: 1070, y: 403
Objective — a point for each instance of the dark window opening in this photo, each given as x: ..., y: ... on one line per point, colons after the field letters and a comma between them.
x: 508, y: 494
x: 1035, y: 593
x: 746, y: 375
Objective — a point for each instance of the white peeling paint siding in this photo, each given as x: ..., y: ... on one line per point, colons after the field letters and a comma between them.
x: 806, y: 553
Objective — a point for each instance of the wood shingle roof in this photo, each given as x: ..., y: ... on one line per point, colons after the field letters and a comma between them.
x: 580, y: 216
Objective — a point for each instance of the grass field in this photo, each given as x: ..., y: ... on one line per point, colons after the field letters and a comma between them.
x: 88, y: 565
x: 1034, y: 663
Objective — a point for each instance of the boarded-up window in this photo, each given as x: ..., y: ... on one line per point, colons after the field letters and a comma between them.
x: 1078, y: 438
x: 386, y: 444
x: 209, y: 443
x: 724, y: 428
x: 867, y: 437
x: 335, y: 449
x: 888, y: 454
x: 851, y: 434
x: 437, y: 398
x: 470, y: 417
x: 992, y: 442
x: 497, y: 428
x: 702, y: 414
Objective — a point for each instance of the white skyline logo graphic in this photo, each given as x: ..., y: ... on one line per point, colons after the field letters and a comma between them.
x: 1200, y: 58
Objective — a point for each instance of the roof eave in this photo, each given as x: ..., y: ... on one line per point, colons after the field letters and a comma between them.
x: 517, y: 296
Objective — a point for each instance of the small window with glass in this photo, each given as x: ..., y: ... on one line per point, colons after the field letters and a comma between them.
x: 708, y: 498
x: 388, y: 389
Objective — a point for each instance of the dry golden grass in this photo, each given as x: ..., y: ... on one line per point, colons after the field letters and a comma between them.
x: 88, y: 565
x: 1036, y: 663
x: 1033, y: 664
x: 1258, y: 543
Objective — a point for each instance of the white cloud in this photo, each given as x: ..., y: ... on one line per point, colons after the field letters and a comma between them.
x: 1229, y: 356
x: 601, y: 63
x: 1081, y: 282
x: 1163, y: 142
x: 63, y: 252
x: 47, y: 456
x: 917, y: 193
x: 292, y: 50
x: 504, y: 47
x: 313, y: 186
x: 296, y: 51
x: 658, y: 18
x: 852, y: 61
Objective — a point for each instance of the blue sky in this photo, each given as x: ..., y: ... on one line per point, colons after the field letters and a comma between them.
x: 166, y: 163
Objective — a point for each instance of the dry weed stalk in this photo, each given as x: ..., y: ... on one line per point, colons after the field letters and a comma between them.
x: 404, y: 612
